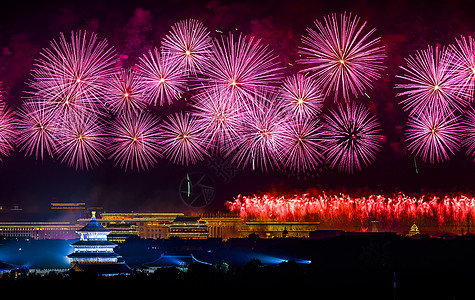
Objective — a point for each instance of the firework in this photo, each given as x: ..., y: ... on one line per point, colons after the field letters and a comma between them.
x: 182, y: 139
x: 37, y: 128
x: 302, y: 95
x: 430, y: 83
x: 303, y: 145
x: 433, y: 136
x: 190, y: 43
x: 344, y: 210
x: 74, y: 70
x: 163, y: 78
x: 261, y: 132
x: 463, y: 65
x: 352, y: 136
x: 8, y: 129
x: 468, y: 127
x: 135, y: 141
x: 239, y: 66
x: 81, y: 141
x: 341, y: 57
x: 219, y: 118
x: 125, y: 93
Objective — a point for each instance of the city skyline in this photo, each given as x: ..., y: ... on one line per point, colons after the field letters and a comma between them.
x: 133, y: 28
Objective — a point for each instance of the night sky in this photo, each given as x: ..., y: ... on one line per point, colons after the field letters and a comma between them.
x: 133, y: 27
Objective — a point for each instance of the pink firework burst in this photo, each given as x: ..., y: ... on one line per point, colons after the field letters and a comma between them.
x: 431, y: 83
x: 219, y: 117
x: 81, y: 141
x: 352, y: 136
x: 135, y: 141
x: 468, y: 127
x: 37, y: 129
x: 239, y: 66
x: 303, y: 145
x: 125, y: 93
x: 261, y: 132
x: 8, y: 130
x: 189, y: 42
x: 163, y: 78
x: 463, y: 65
x: 182, y: 138
x: 302, y: 95
x: 76, y: 69
x: 341, y: 56
x: 433, y: 136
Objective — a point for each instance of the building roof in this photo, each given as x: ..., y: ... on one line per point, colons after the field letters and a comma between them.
x: 105, y: 243
x: 92, y: 255
x: 101, y: 269
x: 93, y: 226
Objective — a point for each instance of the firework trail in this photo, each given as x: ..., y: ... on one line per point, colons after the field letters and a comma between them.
x: 163, y: 79
x: 75, y: 71
x: 239, y: 66
x: 341, y: 57
x: 352, y: 137
x: 81, y: 141
x: 302, y: 95
x: 37, y: 129
x: 433, y: 136
x: 189, y: 43
x: 431, y: 83
x: 182, y: 138
x: 135, y: 141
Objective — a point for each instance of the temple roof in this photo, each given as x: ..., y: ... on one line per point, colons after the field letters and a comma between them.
x: 93, y: 226
x: 92, y: 255
x: 104, y: 269
x: 105, y: 243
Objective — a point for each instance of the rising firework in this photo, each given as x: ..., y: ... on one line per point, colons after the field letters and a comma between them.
x: 37, y: 129
x: 431, y: 83
x: 433, y: 136
x: 163, y: 78
x: 75, y: 71
x: 302, y: 95
x: 341, y: 57
x: 189, y: 42
x: 353, y: 137
x: 182, y: 138
x: 239, y: 66
x: 135, y: 141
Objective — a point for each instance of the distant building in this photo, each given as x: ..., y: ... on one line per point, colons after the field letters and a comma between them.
x: 272, y: 229
x: 38, y: 230
x: 93, y: 253
x: 188, y: 227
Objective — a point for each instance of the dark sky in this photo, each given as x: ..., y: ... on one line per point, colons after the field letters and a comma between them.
x: 133, y: 26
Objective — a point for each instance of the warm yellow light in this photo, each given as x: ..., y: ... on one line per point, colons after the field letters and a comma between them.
x: 432, y: 130
x: 436, y: 87
x: 134, y: 139
x: 300, y: 101
x: 185, y: 136
x: 126, y: 94
x: 162, y: 80
x: 233, y: 83
x: 342, y: 61
x: 78, y: 80
x: 187, y: 52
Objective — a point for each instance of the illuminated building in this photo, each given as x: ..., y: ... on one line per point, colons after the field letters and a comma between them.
x: 188, y: 227
x: 38, y: 230
x: 94, y: 253
x: 223, y: 226
x: 68, y: 205
x: 269, y: 229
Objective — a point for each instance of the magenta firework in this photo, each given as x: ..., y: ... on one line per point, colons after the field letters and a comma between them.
x: 125, y: 93
x: 342, y: 57
x: 73, y: 72
x: 241, y: 65
x: 433, y: 136
x: 302, y: 95
x: 135, y: 141
x: 353, y: 137
x: 430, y: 83
x: 189, y: 42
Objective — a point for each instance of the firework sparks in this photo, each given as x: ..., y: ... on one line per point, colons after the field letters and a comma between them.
x: 431, y: 83
x: 433, y: 136
x: 302, y: 95
x: 125, y: 93
x: 353, y: 137
x: 341, y: 57
x: 163, y: 78
x: 190, y: 43
x: 182, y: 139
x: 135, y: 141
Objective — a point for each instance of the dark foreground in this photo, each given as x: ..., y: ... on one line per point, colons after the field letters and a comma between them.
x: 349, y: 267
